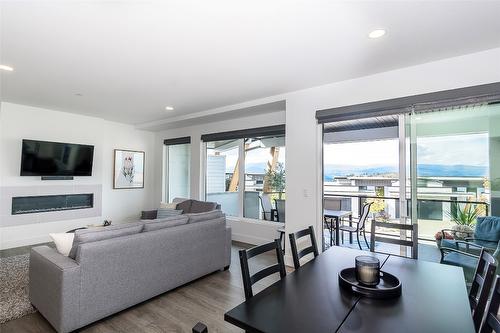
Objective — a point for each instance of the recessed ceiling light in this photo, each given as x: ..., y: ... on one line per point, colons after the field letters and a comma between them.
x: 6, y: 68
x: 79, y: 94
x: 376, y: 33
x: 169, y: 108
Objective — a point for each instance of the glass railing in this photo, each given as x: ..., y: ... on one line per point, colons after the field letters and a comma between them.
x: 433, y: 214
x: 252, y: 207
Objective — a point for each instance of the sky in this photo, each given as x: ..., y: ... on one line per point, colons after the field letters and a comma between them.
x: 471, y: 149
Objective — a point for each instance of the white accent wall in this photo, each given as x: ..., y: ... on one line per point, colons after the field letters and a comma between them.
x: 19, y: 122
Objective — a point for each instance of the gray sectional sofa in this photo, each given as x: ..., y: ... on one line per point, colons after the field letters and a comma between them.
x: 112, y: 268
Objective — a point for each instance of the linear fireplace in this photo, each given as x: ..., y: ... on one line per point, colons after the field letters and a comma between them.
x: 51, y: 203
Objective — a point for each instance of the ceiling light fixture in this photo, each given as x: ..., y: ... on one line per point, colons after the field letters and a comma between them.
x: 376, y: 33
x: 169, y: 108
x: 6, y: 68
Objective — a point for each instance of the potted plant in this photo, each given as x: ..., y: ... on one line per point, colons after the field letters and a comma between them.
x: 276, y: 178
x: 464, y: 220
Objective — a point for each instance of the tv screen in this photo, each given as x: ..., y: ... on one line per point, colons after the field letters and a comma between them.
x: 43, y: 158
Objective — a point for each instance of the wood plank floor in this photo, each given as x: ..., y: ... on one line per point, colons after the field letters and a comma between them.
x: 205, y: 300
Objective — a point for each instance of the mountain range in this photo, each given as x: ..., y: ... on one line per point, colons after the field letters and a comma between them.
x: 423, y: 170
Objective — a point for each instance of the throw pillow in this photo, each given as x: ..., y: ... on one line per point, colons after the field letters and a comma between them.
x: 167, y: 212
x: 185, y: 206
x: 149, y: 214
x: 165, y: 223
x: 63, y: 242
x: 202, y: 206
x: 97, y: 234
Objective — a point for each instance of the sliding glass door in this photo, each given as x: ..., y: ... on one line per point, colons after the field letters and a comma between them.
x: 455, y: 163
x: 439, y: 169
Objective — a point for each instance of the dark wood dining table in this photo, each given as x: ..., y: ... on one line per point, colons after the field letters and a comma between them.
x: 337, y: 215
x: 434, y: 299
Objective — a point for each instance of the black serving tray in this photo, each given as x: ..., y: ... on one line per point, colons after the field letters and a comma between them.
x: 389, y: 286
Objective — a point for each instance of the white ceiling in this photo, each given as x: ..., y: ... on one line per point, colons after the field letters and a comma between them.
x: 130, y: 59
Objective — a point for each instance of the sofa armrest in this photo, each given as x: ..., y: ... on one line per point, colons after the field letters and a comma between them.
x: 54, y: 287
x: 227, y: 248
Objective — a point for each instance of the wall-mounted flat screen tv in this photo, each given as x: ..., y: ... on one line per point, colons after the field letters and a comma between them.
x: 43, y: 158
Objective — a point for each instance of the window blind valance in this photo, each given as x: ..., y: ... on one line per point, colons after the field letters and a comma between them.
x: 246, y: 133
x: 177, y: 141
x: 481, y: 94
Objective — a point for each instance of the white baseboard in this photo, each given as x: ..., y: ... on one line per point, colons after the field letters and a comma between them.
x: 249, y: 239
x: 8, y: 244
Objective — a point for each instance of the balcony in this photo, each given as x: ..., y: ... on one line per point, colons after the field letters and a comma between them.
x: 434, y: 215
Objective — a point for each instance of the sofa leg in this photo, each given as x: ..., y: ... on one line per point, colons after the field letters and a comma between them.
x: 226, y: 268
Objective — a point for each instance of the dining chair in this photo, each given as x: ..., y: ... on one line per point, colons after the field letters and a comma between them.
x: 282, y: 233
x: 279, y: 267
x: 360, y: 228
x: 313, y: 248
x: 491, y: 322
x: 412, y: 243
x: 200, y: 328
x: 280, y: 208
x: 481, y: 286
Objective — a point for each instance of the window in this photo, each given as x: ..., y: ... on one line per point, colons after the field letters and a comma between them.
x: 177, y: 155
x: 222, y: 175
x: 264, y: 176
x: 245, y: 172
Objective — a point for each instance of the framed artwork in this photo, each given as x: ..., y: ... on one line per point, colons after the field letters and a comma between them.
x: 128, y: 169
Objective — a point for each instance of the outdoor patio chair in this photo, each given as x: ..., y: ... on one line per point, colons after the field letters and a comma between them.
x: 280, y: 209
x: 267, y: 207
x: 360, y: 228
x: 466, y: 255
x: 486, y: 235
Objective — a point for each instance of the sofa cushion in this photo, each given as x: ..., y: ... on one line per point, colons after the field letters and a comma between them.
x: 165, y: 223
x: 206, y: 216
x: 96, y: 234
x: 202, y: 206
x: 488, y: 228
x: 171, y: 205
x: 185, y: 206
x: 149, y: 214
x: 167, y: 212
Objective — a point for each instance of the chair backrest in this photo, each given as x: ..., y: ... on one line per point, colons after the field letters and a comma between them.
x: 280, y: 208
x: 313, y: 248
x: 365, y: 211
x: 265, y: 201
x: 491, y: 322
x: 481, y: 286
x: 412, y: 243
x: 332, y: 203
x: 279, y: 267
x: 200, y: 328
